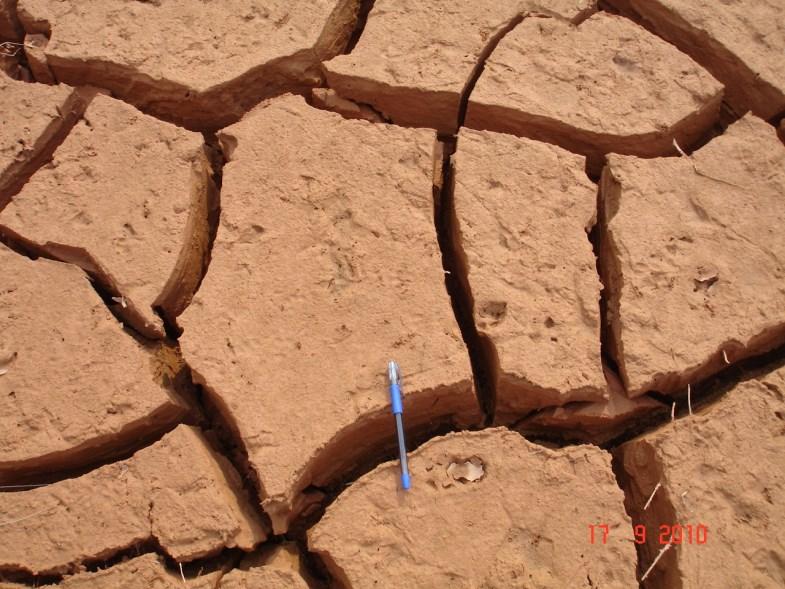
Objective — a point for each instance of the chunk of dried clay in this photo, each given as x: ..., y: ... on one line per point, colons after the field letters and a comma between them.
x: 722, y: 487
x: 526, y: 518
x: 201, y: 65
x: 127, y: 198
x: 34, y: 120
x: 75, y: 387
x: 522, y: 212
x: 692, y: 258
x: 177, y: 492
x: 596, y: 422
x: 414, y: 60
x: 606, y: 85
x: 322, y: 218
x: 740, y: 43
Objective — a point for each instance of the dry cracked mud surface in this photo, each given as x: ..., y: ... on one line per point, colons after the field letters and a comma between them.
x: 219, y: 221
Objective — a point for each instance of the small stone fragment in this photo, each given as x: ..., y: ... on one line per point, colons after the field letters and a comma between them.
x: 606, y: 85
x: 597, y: 422
x: 693, y: 259
x: 414, y: 59
x: 199, y: 64
x: 326, y: 266
x: 523, y: 209
x: 126, y: 197
x: 74, y: 387
x: 177, y: 492
x: 525, y: 523
x: 327, y: 99
x: 740, y: 43
x: 33, y: 121
x: 722, y: 489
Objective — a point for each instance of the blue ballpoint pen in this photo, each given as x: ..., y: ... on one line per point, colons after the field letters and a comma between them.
x: 397, y: 408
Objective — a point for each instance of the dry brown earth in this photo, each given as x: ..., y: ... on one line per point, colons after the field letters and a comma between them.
x: 127, y: 198
x: 721, y: 468
x: 523, y: 523
x: 693, y: 258
x: 523, y: 210
x: 35, y: 120
x: 200, y: 64
x: 740, y: 43
x: 328, y: 253
x: 429, y: 51
x: 606, y: 85
x: 74, y: 386
x: 177, y: 492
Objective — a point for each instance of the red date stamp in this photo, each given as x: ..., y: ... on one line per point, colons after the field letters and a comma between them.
x: 666, y: 534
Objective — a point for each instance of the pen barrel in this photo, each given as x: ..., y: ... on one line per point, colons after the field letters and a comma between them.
x: 405, y: 479
x: 395, y: 398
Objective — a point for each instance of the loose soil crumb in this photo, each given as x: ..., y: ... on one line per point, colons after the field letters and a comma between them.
x: 33, y: 121
x: 73, y: 385
x: 722, y: 469
x: 177, y: 492
x: 200, y: 64
x: 741, y: 43
x: 328, y: 252
x: 606, y: 85
x: 523, y: 210
x: 524, y: 524
x: 126, y: 197
x: 693, y: 258
x: 414, y: 58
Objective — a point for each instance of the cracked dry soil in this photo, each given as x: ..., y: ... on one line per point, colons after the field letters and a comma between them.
x: 220, y: 220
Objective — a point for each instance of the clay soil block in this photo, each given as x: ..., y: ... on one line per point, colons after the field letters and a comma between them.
x: 721, y: 470
x: 177, y: 492
x: 414, y: 59
x: 522, y: 213
x: 606, y: 85
x: 693, y: 258
x: 740, y: 43
x: 74, y: 386
x: 199, y: 64
x: 127, y: 198
x: 486, y: 509
x: 34, y: 120
x: 326, y: 266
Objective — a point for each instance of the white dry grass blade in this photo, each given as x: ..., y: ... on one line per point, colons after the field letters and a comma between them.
x: 645, y: 507
x: 182, y: 574
x: 689, y: 399
x: 662, y: 551
x: 29, y: 516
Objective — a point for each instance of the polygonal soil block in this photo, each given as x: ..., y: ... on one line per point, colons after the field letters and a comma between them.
x: 605, y: 85
x: 177, y: 492
x: 326, y: 266
x: 722, y: 487
x: 522, y: 213
x: 200, y: 64
x: 74, y: 386
x: 693, y: 257
x: 126, y: 197
x: 414, y: 59
x: 486, y: 509
x: 740, y: 43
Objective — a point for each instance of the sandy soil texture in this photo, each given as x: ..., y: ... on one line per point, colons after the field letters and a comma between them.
x: 126, y: 197
x: 444, y: 521
x: 693, y: 258
x: 722, y: 469
x: 349, y: 205
x: 220, y: 220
